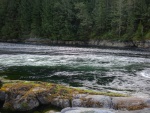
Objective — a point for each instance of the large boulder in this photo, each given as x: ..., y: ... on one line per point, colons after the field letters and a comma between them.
x: 95, y: 101
x: 25, y: 104
x: 43, y: 95
x: 24, y: 96
x: 86, y: 110
x: 62, y: 103
x: 100, y: 110
x: 19, y: 98
x: 130, y: 103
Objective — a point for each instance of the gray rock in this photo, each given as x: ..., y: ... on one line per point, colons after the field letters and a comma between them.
x: 109, y: 43
x: 98, y: 110
x: 100, y: 101
x: 25, y: 104
x: 76, y: 103
x: 63, y: 103
x: 85, y: 110
x: 95, y: 101
x: 44, y: 96
x: 78, y: 96
x: 147, y: 102
x: 130, y: 103
x: 136, y: 111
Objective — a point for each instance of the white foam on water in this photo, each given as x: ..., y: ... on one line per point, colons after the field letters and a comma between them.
x: 123, y: 65
x: 145, y: 73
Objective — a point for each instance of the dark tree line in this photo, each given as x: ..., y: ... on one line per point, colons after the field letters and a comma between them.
x: 75, y: 19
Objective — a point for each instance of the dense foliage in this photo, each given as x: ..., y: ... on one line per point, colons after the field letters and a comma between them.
x: 75, y: 19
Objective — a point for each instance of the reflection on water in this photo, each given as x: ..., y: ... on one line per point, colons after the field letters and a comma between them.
x: 126, y: 71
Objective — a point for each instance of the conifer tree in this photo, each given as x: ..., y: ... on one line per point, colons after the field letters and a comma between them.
x: 25, y: 17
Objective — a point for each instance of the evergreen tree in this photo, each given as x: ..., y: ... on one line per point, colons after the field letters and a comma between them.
x: 11, y: 27
x: 36, y: 18
x: 102, y: 16
x: 62, y: 20
x: 85, y: 21
x: 118, y: 17
x: 130, y: 19
x: 3, y: 6
x: 47, y: 17
x: 75, y: 19
x: 25, y: 17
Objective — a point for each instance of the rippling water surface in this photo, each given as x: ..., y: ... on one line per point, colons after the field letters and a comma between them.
x: 125, y: 71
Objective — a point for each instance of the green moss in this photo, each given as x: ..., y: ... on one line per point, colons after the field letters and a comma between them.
x: 54, y: 89
x: 101, y: 93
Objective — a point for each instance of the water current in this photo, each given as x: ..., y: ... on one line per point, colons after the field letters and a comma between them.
x: 117, y: 70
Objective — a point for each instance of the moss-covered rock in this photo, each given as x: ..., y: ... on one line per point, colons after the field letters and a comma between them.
x: 27, y: 95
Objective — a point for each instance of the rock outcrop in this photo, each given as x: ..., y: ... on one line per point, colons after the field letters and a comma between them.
x: 86, y: 110
x: 97, y: 110
x: 142, y: 44
x: 109, y: 43
x: 130, y: 103
x: 93, y: 101
x: 24, y: 96
x: 96, y: 43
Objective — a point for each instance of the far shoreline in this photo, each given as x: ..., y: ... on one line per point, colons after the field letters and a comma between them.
x: 102, y: 44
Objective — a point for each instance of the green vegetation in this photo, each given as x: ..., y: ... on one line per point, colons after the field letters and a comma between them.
x: 55, y: 89
x: 75, y: 19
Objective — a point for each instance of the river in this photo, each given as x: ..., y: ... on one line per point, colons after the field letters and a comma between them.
x: 117, y: 70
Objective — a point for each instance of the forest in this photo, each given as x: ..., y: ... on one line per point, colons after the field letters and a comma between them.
x: 124, y: 20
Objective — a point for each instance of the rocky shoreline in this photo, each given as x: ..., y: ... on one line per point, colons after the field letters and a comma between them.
x: 145, y: 44
x: 28, y: 95
x: 95, y: 43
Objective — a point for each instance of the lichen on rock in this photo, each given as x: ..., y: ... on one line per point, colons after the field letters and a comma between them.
x: 23, y: 95
x: 130, y: 103
x: 27, y: 95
